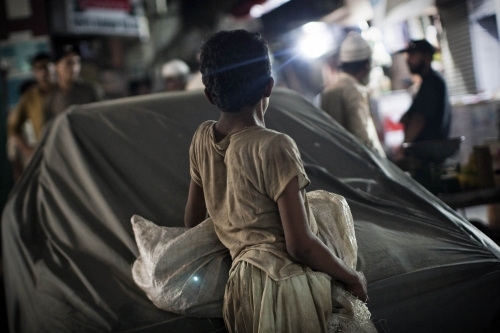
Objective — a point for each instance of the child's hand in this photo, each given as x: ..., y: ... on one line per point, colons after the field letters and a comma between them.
x: 358, y: 288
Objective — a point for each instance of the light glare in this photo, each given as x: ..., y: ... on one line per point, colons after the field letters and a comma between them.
x: 315, y: 41
x: 314, y: 27
x: 363, y: 25
x: 257, y: 11
x: 260, y: 9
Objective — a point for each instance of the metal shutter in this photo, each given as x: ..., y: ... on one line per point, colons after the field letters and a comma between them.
x: 456, y: 48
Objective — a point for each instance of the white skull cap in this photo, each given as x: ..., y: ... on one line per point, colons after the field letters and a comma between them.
x: 175, y: 67
x: 354, y: 48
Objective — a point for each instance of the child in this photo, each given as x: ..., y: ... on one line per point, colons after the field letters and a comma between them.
x: 251, y: 181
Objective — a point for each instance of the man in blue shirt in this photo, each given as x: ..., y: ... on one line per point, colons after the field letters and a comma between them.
x: 429, y: 116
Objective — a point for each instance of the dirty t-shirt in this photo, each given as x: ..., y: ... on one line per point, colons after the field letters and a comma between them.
x: 242, y: 177
x: 347, y: 102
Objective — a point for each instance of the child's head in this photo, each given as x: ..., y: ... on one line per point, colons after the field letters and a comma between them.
x: 235, y: 68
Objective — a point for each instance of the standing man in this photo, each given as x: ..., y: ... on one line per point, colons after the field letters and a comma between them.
x: 175, y: 74
x: 25, y: 123
x: 347, y: 100
x: 70, y: 89
x: 429, y: 116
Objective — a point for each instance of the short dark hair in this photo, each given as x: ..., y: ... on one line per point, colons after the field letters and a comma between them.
x: 62, y: 50
x: 235, y: 68
x: 354, y: 67
x: 39, y: 57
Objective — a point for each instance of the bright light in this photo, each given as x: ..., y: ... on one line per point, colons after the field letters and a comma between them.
x: 380, y: 55
x: 259, y: 10
x: 372, y: 34
x: 195, y: 279
x: 431, y: 35
x: 363, y: 25
x: 315, y: 41
x: 314, y: 27
x: 313, y: 46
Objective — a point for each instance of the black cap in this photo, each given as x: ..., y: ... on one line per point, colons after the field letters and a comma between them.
x: 62, y: 50
x: 421, y: 45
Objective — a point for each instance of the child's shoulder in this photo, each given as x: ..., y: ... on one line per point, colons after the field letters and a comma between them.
x: 278, y: 137
x: 204, y: 127
x: 272, y: 139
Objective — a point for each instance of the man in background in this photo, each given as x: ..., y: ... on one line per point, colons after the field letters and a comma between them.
x: 25, y: 123
x: 70, y: 89
x: 347, y: 100
x: 175, y: 74
x: 429, y: 116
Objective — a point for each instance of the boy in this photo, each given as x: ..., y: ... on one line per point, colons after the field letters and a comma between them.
x: 251, y: 181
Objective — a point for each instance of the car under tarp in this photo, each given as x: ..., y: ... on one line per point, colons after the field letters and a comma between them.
x: 68, y: 244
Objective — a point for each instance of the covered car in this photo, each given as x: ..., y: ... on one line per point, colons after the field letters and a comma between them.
x: 68, y: 243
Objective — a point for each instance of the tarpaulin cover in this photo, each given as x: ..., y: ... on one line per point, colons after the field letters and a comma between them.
x: 68, y: 243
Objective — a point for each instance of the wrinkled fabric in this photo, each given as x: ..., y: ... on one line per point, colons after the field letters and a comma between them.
x: 335, y: 225
x: 68, y: 244
x: 185, y: 270
x: 256, y: 303
x: 181, y: 270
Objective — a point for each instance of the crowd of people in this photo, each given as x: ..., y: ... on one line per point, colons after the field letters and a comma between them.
x: 57, y: 85
x: 347, y: 101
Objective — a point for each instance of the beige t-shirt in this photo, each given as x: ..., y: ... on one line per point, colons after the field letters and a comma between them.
x: 347, y: 102
x: 242, y: 177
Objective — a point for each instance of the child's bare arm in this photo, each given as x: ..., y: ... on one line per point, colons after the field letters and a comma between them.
x: 196, y: 209
x: 306, y: 248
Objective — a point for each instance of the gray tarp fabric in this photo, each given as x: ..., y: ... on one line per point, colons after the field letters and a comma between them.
x: 68, y: 243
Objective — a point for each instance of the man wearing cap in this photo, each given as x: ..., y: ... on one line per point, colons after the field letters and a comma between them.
x: 347, y: 100
x: 429, y: 116
x: 25, y: 123
x: 175, y: 74
x: 70, y: 89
